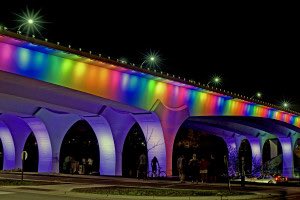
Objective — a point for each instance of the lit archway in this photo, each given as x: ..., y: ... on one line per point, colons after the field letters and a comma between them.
x: 135, y: 145
x: 245, y: 157
x: 272, y: 156
x: 1, y: 155
x: 205, y: 145
x: 31, y: 147
x: 79, y: 152
x: 297, y: 158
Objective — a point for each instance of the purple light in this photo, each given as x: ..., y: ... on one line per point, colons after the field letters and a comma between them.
x: 8, y: 147
x: 105, y: 139
x: 43, y: 141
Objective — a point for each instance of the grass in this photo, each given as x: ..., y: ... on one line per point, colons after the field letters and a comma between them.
x: 12, y: 182
x: 135, y: 191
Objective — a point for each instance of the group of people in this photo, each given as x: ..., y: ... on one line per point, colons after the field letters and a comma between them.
x: 197, y: 169
x: 142, y: 168
x: 72, y: 166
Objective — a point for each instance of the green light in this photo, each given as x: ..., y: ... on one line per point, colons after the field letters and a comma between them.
x: 285, y: 104
x: 152, y: 60
x: 258, y: 94
x: 215, y: 80
x: 30, y: 21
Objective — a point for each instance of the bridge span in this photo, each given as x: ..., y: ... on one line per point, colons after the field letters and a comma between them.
x: 49, y: 93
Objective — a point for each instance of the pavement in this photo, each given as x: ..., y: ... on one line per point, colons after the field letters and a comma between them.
x: 61, y: 185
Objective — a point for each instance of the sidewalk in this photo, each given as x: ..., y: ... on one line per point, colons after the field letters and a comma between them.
x: 65, y: 188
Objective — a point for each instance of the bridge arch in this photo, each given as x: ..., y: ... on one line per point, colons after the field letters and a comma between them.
x: 20, y: 128
x: 207, y: 142
x: 245, y: 157
x: 134, y: 146
x: 296, y: 154
x: 272, y: 160
x: 59, y: 123
x: 149, y: 124
x: 79, y: 150
x: 7, y: 148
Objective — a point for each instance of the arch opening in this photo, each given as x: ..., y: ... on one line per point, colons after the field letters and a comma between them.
x: 134, y: 146
x: 272, y: 157
x: 296, y: 155
x: 245, y: 158
x: 206, y: 146
x: 31, y: 147
x: 79, y: 152
x: 1, y: 155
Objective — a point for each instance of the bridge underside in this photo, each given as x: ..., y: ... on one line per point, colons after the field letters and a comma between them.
x: 49, y: 112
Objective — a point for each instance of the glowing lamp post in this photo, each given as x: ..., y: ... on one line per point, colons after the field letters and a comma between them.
x: 285, y: 104
x: 215, y: 80
x: 257, y: 95
x: 152, y: 60
x: 30, y: 22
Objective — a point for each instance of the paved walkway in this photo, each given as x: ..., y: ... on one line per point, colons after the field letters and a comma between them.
x: 65, y: 185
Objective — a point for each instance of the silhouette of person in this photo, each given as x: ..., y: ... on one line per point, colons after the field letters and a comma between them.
x: 212, y: 168
x: 142, y: 166
x: 154, y: 165
x: 181, y: 168
x: 203, y: 169
x: 194, y: 162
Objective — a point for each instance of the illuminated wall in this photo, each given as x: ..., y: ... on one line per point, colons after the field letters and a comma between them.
x: 20, y: 129
x: 120, y: 84
x: 8, y: 147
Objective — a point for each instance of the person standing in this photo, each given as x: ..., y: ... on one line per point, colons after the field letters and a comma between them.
x: 212, y: 169
x: 181, y: 168
x: 203, y: 170
x: 90, y: 165
x: 154, y: 165
x: 142, y: 166
x: 193, y: 163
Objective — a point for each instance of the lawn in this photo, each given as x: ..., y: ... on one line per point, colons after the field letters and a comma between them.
x: 138, y: 191
x: 13, y: 182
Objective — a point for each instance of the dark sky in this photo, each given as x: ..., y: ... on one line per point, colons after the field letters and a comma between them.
x: 254, y: 47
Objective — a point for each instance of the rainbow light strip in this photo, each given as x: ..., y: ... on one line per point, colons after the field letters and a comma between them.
x: 121, y: 84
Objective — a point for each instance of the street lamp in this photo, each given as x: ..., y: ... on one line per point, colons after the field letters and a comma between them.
x: 151, y: 59
x: 285, y: 104
x: 257, y: 95
x: 30, y: 21
x: 215, y: 80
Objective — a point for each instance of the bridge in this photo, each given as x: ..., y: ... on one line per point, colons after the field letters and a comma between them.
x: 45, y: 89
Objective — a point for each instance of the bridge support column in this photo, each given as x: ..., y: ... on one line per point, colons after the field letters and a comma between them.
x: 256, y: 148
x: 120, y: 123
x: 171, y: 120
x: 232, y: 145
x: 287, y: 156
x: 8, y: 147
x: 58, y: 125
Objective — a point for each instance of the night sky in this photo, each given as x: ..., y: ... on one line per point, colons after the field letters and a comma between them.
x: 252, y: 47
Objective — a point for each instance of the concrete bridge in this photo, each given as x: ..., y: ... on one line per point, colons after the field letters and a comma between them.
x: 46, y: 88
